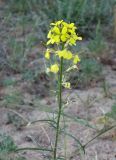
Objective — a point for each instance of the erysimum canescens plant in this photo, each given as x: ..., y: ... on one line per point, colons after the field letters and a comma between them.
x: 61, y: 36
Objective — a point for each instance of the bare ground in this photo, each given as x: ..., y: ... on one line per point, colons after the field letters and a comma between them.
x: 90, y: 104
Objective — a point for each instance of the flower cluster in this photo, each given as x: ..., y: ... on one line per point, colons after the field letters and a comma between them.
x: 63, y: 35
x: 63, y: 32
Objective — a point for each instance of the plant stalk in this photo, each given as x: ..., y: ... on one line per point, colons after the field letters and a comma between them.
x: 59, y: 109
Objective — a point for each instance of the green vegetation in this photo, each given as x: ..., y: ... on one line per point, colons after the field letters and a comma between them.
x: 97, y: 44
x: 7, y: 148
x: 84, y: 13
x: 6, y: 144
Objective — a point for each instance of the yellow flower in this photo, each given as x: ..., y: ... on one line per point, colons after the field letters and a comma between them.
x: 66, y: 85
x: 76, y: 59
x: 65, y: 34
x: 54, y: 68
x: 68, y: 55
x: 62, y: 32
x: 65, y: 54
x: 47, y: 54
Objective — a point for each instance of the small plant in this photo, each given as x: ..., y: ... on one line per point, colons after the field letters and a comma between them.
x: 97, y: 44
x: 6, y: 144
x: 7, y: 148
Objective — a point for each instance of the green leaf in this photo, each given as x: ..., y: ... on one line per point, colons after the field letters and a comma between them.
x: 35, y: 149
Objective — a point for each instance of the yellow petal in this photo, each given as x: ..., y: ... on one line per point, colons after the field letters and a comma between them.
x: 72, y: 41
x: 56, y: 30
x: 76, y: 59
x: 75, y: 37
x: 56, y: 23
x: 67, y: 55
x: 63, y: 38
x: 59, y: 22
x: 54, y: 68
x: 65, y: 24
x: 71, y: 25
x: 48, y: 42
x: 56, y: 38
x: 52, y: 41
x: 64, y: 30
x: 49, y: 34
x: 60, y: 53
x: 47, y: 54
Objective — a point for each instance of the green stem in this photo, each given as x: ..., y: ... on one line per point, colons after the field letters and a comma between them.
x: 65, y: 140
x: 60, y: 108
